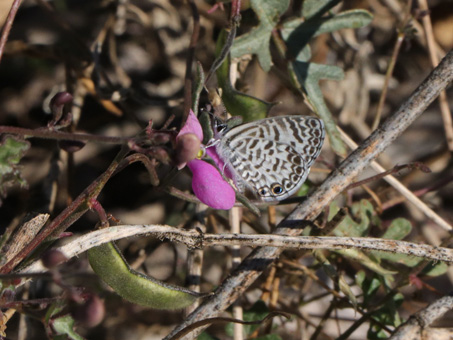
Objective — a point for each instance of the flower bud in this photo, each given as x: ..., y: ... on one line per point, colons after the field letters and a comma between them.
x: 187, y: 148
x: 91, y: 312
x: 58, y: 102
x: 53, y: 258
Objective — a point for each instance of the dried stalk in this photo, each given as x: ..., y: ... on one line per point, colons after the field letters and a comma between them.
x: 193, y: 239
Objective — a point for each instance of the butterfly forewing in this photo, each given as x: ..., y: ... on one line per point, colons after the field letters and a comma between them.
x: 272, y: 157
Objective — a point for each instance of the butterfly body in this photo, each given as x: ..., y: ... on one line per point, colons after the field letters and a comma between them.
x: 271, y: 157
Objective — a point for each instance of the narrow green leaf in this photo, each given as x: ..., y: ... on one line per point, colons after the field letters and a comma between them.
x: 238, y: 103
x: 312, y: 8
x: 199, y: 83
x: 367, y: 262
x: 205, y: 121
x: 346, y: 289
x: 298, y: 32
x: 369, y: 285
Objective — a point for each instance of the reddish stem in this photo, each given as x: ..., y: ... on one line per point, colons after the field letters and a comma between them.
x: 68, y: 216
x: 58, y: 135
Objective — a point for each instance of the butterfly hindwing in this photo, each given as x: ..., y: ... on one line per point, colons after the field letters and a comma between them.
x: 271, y: 157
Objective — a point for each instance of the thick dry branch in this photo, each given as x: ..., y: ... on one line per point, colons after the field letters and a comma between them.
x: 417, y: 327
x: 252, y: 266
x: 194, y: 239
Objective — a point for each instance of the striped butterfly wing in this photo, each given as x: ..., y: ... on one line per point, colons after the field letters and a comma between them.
x: 272, y: 157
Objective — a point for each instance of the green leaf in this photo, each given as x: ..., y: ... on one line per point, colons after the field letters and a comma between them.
x: 199, y: 83
x: 362, y: 212
x: 435, y: 269
x: 205, y: 122
x: 358, y: 226
x: 346, y: 289
x: 369, y: 285
x: 257, y: 40
x: 386, y: 315
x: 398, y: 229
x: 298, y: 32
x: 313, y: 8
x: 12, y: 149
x: 331, y: 271
x: 328, y: 268
x: 304, y: 189
x: 238, y: 103
x: 333, y: 210
x: 64, y: 327
x: 308, y: 75
x: 368, y: 262
x: 60, y: 326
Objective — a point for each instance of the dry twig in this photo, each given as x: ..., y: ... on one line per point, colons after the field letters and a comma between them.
x: 193, y: 239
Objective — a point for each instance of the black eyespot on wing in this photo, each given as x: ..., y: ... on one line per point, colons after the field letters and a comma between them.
x: 277, y: 189
x: 262, y: 192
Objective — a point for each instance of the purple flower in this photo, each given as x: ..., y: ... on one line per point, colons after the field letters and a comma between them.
x: 207, y: 183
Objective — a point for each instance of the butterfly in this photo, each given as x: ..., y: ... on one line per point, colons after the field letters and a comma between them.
x: 270, y: 158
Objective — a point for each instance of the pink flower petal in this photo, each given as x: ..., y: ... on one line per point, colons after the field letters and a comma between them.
x: 209, y: 186
x: 192, y: 125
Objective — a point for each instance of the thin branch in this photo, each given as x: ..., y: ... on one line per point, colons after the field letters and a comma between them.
x: 391, y: 66
x: 252, y: 267
x: 396, y: 169
x: 8, y: 24
x: 401, y: 188
x: 59, y: 135
x: 193, y: 239
x: 223, y: 319
x: 443, y: 102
